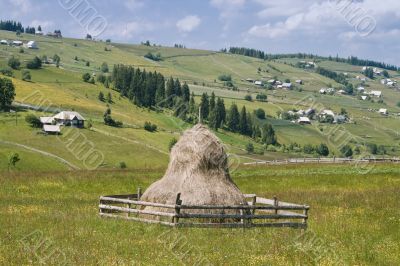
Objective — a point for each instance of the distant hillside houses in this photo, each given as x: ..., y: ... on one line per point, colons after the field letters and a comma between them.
x: 376, y: 71
x: 388, y: 82
x: 374, y: 93
x: 327, y: 91
x: 383, y: 111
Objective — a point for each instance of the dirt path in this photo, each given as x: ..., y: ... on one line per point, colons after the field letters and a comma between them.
x: 58, y: 158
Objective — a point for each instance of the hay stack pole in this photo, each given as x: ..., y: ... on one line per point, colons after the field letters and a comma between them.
x: 198, y: 170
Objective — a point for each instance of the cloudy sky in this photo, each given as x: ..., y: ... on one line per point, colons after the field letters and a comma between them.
x: 365, y: 28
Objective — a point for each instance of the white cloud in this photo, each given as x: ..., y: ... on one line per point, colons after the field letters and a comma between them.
x: 129, y: 29
x: 229, y: 10
x: 188, y: 23
x: 133, y: 4
x: 23, y: 6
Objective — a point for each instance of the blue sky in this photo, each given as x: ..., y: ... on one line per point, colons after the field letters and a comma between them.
x: 365, y: 28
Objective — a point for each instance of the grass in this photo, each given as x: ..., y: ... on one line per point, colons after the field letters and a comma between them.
x: 354, y: 219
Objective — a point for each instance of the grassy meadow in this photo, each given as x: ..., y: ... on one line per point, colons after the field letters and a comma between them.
x: 354, y: 220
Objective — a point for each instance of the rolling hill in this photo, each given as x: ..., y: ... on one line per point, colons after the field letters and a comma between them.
x: 64, y: 89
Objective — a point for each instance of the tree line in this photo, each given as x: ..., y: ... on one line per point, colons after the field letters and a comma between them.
x: 11, y: 25
x: 152, y: 90
x: 352, y: 60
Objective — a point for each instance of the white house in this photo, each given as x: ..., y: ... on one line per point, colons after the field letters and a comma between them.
x: 4, y: 42
x: 339, y: 119
x: 69, y: 118
x: 299, y: 81
x: 384, y: 81
x: 38, y: 32
x: 376, y: 93
x: 259, y: 83
x: 278, y: 82
x: 271, y: 81
x: 250, y: 80
x: 364, y: 97
x: 304, y: 121
x: 383, y: 111
x: 32, y: 45
x: 322, y: 91
x: 65, y: 118
x: 342, y: 92
x: 287, y: 85
x: 17, y: 43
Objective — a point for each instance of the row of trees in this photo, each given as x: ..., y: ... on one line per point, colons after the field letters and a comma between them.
x: 11, y: 25
x: 352, y: 60
x: 246, y: 52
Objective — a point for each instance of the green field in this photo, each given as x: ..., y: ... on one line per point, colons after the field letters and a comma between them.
x: 354, y: 220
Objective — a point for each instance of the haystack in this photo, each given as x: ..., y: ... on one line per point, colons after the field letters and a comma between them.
x: 198, y: 169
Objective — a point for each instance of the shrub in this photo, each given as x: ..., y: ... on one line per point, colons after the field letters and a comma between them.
x: 122, y: 165
x: 14, y: 63
x: 7, y: 71
x: 261, y: 97
x: 308, y: 149
x: 153, y: 57
x: 225, y: 77
x: 33, y: 121
x: 35, y: 63
x: 248, y: 98
x: 260, y: 113
x: 250, y: 148
x: 373, y: 148
x: 323, y: 150
x: 104, y: 67
x: 26, y: 75
x: 347, y: 151
x: 86, y: 77
x: 150, y: 127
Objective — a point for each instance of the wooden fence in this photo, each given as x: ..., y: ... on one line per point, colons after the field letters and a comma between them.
x: 260, y: 212
x: 327, y: 161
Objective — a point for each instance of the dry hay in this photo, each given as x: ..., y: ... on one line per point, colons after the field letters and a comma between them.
x: 198, y: 169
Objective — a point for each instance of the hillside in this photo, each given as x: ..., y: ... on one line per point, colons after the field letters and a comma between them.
x: 63, y: 88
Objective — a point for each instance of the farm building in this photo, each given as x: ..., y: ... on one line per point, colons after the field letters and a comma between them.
x: 299, y: 81
x: 4, y: 42
x: 304, y: 121
x: 52, y: 129
x: 259, y: 83
x: 65, y: 118
x: 383, y: 111
x: 361, y: 89
x: 68, y: 118
x: 287, y: 85
x: 364, y: 97
x: 47, y: 120
x: 32, y: 45
x: 376, y: 93
x: 250, y: 80
x: 309, y: 112
x: 17, y: 43
x: 38, y: 32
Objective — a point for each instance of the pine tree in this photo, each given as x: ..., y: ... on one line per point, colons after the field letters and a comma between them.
x: 192, y: 105
x: 185, y: 92
x: 233, y: 118
x: 170, y: 92
x: 213, y: 120
x: 268, y: 135
x: 109, y: 98
x: 101, y: 96
x: 220, y: 113
x: 243, y: 121
x: 178, y: 88
x: 212, y: 102
x: 204, y: 106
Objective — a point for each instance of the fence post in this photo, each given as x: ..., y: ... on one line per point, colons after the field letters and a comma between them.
x: 305, y: 212
x: 276, y: 204
x: 178, y: 202
x: 139, y: 193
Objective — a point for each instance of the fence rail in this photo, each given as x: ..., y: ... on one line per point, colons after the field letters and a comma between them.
x: 326, y: 161
x: 259, y: 212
